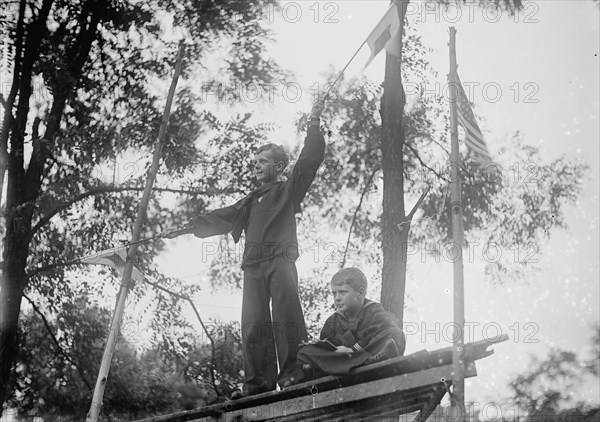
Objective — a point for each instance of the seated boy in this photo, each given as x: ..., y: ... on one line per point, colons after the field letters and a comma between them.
x: 360, y: 332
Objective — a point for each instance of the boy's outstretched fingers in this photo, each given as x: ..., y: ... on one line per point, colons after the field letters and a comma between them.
x: 171, y: 233
x: 168, y: 235
x: 317, y: 109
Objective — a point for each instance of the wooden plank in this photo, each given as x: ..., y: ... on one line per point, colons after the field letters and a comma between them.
x: 332, y: 404
x: 406, y: 401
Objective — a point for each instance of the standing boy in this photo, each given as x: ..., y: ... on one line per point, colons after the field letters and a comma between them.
x: 360, y: 332
x: 271, y: 249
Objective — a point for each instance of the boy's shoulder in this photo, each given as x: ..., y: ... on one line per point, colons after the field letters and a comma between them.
x: 371, y: 305
x: 372, y: 308
x: 332, y: 317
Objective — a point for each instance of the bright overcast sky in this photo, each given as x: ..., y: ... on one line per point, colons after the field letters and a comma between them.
x: 537, y: 73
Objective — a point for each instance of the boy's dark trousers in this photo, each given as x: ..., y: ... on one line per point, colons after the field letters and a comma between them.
x: 266, y: 341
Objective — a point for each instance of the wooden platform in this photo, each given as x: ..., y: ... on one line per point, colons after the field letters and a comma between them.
x: 412, y: 383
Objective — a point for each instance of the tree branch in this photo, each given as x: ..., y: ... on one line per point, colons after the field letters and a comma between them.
x: 51, y: 267
x: 8, y: 105
x: 8, y: 124
x: 440, y: 145
x: 97, y: 191
x: 414, y: 135
x: 57, y: 343
x: 462, y: 165
x: 153, y: 284
x: 408, y: 219
x: 77, y: 261
x: 436, y: 216
x: 10, y: 118
x: 61, y: 351
x: 425, y: 165
x: 418, y: 203
x: 212, y: 342
x: 362, y: 196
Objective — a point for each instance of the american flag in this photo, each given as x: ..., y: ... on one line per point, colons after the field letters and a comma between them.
x: 473, y: 136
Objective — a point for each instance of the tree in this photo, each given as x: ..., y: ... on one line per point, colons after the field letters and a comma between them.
x: 91, y: 62
x: 545, y: 391
x: 403, y: 152
x: 394, y: 142
x: 493, y: 203
x: 393, y: 282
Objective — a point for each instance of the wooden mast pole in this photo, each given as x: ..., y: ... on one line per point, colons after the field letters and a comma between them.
x: 109, y: 349
x: 458, y: 360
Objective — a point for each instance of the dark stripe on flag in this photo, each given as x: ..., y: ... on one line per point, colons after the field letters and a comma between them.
x: 383, y: 38
x: 473, y: 136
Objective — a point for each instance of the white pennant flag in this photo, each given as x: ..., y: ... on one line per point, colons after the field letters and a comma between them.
x: 114, y: 258
x: 385, y: 35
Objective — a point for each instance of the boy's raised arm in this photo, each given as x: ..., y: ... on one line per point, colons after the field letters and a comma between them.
x: 311, y: 156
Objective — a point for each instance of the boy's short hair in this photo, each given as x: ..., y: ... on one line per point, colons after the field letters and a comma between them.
x: 353, y: 277
x: 276, y: 151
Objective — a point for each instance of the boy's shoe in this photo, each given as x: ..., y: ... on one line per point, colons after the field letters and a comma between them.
x: 291, y: 381
x: 243, y: 393
x: 389, y: 351
x: 309, y: 372
x: 312, y: 373
x: 236, y: 395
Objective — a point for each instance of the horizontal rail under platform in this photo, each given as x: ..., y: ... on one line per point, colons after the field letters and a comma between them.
x: 406, y: 384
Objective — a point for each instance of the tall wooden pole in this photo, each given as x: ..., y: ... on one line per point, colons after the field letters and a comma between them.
x: 96, y: 405
x: 458, y: 361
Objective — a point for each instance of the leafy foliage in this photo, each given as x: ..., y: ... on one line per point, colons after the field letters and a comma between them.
x: 55, y: 378
x: 546, y: 390
x: 54, y: 386
x: 513, y: 204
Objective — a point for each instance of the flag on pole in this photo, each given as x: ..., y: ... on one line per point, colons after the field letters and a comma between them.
x: 473, y: 136
x: 114, y: 258
x: 385, y: 35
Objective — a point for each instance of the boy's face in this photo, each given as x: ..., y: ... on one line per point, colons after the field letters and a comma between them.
x: 347, y: 299
x: 266, y: 169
